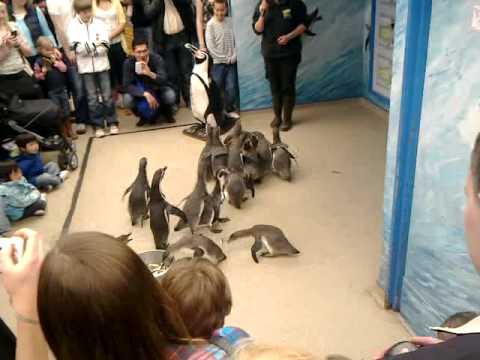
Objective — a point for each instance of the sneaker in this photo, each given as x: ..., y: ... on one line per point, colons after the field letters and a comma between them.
x: 233, y: 115
x: 64, y: 175
x: 99, y: 133
x: 43, y: 196
x: 114, y: 130
x: 39, y: 213
x: 80, y: 129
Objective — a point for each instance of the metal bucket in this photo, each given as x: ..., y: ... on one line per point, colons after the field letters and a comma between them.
x: 153, y: 257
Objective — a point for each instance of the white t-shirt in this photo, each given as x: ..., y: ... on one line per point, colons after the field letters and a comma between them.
x: 172, y: 23
x: 110, y: 18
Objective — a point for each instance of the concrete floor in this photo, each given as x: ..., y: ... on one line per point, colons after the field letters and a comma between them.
x: 320, y: 301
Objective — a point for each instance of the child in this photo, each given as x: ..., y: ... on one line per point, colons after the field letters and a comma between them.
x: 455, y: 321
x: 203, y: 298
x: 88, y: 38
x: 51, y: 71
x: 221, y: 46
x: 18, y: 198
x: 45, y: 177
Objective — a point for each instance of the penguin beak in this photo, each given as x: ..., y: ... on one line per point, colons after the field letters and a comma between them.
x: 196, y: 52
x: 193, y: 49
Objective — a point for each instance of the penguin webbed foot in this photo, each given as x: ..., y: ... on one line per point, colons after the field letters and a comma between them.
x: 223, y: 220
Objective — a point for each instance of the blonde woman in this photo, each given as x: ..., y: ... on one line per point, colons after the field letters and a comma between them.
x: 112, y: 14
x: 15, y: 72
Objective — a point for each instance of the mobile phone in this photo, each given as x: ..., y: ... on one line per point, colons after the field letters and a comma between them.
x: 138, y: 67
x: 17, y: 242
x: 14, y: 33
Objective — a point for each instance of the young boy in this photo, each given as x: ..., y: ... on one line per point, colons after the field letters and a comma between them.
x: 51, y: 71
x: 221, y: 46
x: 202, y: 294
x: 44, y: 177
x: 88, y: 38
x: 18, y: 198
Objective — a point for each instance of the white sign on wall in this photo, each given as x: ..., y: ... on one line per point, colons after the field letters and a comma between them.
x: 476, y: 18
x: 383, y: 46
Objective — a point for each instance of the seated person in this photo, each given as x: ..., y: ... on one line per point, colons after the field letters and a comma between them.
x: 202, y: 294
x: 51, y: 71
x: 148, y: 93
x: 44, y: 177
x: 18, y: 198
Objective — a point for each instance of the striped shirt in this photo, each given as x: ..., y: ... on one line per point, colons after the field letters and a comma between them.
x: 221, y: 41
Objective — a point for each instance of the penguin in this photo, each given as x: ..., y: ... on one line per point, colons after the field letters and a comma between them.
x: 312, y: 18
x: 199, y: 203
x: 215, y: 151
x: 160, y: 211
x: 237, y: 183
x: 281, y: 157
x: 336, y: 357
x: 201, y: 245
x: 253, y: 163
x: 125, y: 238
x: 400, y: 348
x: 139, y: 195
x: 211, y: 216
x: 205, y: 96
x: 269, y: 241
x: 264, y: 149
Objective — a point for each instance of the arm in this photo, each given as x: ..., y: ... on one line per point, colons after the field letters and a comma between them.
x: 160, y: 75
x: 128, y: 80
x: 199, y: 24
x: 58, y: 23
x: 20, y: 280
x: 122, y: 20
x: 213, y: 46
x: 44, y: 26
x: 259, y: 17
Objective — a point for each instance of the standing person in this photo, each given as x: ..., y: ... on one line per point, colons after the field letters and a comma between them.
x: 61, y: 13
x: 281, y: 24
x: 42, y: 5
x: 204, y: 12
x: 88, y: 38
x: 142, y: 24
x: 112, y: 14
x: 221, y: 46
x: 31, y: 22
x: 15, y: 72
x: 173, y: 28
x: 148, y: 93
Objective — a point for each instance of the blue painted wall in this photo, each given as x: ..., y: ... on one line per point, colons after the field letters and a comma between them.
x: 440, y: 279
x: 332, y: 66
x: 394, y: 121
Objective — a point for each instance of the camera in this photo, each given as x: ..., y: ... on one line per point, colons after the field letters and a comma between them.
x: 17, y: 242
x: 14, y: 33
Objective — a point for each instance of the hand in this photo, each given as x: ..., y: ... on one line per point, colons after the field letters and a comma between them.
x: 233, y: 59
x: 12, y: 41
x: 60, y: 65
x: 152, y: 102
x: 58, y: 54
x: 71, y: 57
x: 264, y: 7
x: 419, y: 341
x: 283, y: 40
x: 146, y: 70
x: 20, y: 278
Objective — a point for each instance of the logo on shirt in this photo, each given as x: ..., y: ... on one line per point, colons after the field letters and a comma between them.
x: 287, y: 13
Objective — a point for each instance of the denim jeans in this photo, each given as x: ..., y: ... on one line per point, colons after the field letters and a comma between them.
x: 60, y: 98
x: 4, y: 221
x: 49, y: 177
x: 179, y: 63
x: 166, y: 98
x: 145, y: 33
x: 226, y: 78
x: 100, y: 104
x: 79, y: 93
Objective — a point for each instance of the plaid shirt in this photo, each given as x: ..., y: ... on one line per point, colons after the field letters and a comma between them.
x: 228, y: 339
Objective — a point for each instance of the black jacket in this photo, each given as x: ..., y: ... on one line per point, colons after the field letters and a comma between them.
x: 156, y: 65
x: 466, y: 347
x: 156, y: 10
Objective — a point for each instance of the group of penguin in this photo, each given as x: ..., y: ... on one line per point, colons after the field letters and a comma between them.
x: 233, y: 167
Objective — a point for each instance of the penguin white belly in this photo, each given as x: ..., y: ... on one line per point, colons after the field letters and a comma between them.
x: 199, y: 98
x: 266, y: 245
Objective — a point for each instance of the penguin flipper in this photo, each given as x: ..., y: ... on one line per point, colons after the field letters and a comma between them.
x: 127, y: 191
x: 180, y: 225
x: 173, y: 210
x: 256, y: 247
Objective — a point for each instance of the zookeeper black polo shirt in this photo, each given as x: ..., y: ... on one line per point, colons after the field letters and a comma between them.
x: 281, y: 19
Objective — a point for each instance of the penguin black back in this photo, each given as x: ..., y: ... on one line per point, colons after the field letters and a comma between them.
x: 139, y: 194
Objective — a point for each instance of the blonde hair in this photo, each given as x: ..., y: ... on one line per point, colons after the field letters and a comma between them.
x: 255, y: 351
x: 81, y: 5
x: 43, y: 40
